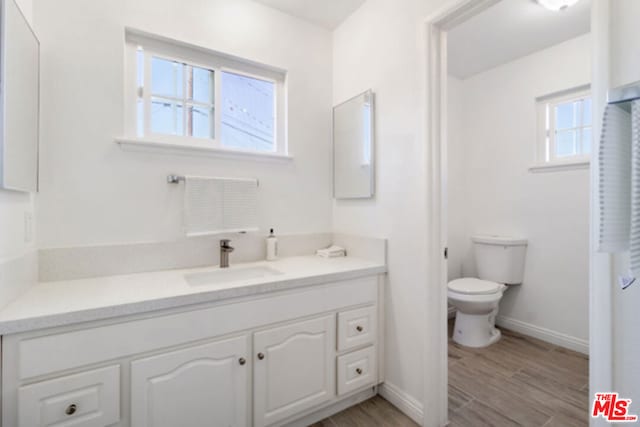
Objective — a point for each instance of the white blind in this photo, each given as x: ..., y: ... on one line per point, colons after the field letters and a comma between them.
x: 614, y: 158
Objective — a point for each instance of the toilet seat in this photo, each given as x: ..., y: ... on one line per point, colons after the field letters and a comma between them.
x: 473, y: 286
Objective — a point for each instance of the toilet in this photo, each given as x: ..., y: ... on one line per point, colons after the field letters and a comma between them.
x: 500, y: 263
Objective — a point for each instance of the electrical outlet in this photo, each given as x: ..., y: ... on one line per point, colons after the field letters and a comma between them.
x: 28, y: 227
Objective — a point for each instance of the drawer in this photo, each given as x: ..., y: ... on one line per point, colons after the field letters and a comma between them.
x: 87, y: 399
x: 356, y: 327
x: 356, y: 370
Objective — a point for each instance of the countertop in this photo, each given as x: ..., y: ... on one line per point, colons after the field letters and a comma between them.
x: 68, y: 302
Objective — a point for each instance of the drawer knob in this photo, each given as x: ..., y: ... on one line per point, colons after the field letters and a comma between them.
x: 260, y: 356
x: 359, y: 371
x: 359, y: 328
x: 242, y: 361
x: 71, y: 409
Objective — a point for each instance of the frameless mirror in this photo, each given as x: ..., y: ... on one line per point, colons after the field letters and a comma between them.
x: 19, y: 100
x: 353, y: 166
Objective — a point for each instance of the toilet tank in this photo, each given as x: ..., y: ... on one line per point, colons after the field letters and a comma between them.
x: 500, y: 259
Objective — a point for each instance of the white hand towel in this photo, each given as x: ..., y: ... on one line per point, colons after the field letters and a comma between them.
x: 614, y: 158
x: 634, y: 240
x: 219, y: 205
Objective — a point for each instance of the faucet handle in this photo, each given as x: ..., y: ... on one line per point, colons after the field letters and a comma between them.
x: 224, y: 242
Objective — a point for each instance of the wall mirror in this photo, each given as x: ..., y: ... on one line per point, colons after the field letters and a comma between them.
x: 19, y: 100
x: 353, y: 151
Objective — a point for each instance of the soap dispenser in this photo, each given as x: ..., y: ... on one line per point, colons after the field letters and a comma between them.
x: 272, y: 247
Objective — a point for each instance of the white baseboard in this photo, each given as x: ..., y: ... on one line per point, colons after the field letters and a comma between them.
x: 553, y: 337
x: 407, y: 404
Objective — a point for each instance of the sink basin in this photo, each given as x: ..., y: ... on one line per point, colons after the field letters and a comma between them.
x: 231, y: 274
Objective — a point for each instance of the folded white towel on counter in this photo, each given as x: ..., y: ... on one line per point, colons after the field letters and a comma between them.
x: 332, y: 251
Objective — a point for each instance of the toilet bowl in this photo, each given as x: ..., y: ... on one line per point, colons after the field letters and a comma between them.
x: 476, y: 302
x: 500, y: 262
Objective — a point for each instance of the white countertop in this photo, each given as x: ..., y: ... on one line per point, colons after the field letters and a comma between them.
x: 67, y: 302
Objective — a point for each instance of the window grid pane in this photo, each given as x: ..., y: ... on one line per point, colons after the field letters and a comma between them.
x: 166, y: 78
x: 181, y: 99
x: 570, y: 129
x: 166, y: 117
x: 566, y: 143
x: 178, y: 99
x: 248, y: 112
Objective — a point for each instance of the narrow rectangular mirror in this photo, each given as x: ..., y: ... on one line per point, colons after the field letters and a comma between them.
x: 353, y: 152
x: 19, y: 100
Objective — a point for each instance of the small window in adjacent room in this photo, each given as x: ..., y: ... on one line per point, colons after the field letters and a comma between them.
x: 193, y: 98
x: 565, y: 127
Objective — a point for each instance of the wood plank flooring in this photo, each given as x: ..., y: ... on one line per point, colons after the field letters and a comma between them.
x: 519, y: 381
x: 375, y: 412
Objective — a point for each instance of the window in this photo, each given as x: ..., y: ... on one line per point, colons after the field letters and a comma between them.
x: 565, y: 127
x: 193, y: 98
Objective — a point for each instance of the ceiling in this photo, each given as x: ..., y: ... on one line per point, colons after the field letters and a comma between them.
x: 326, y: 13
x: 509, y: 30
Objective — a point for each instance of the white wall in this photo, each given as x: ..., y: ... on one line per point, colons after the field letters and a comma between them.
x: 501, y: 196
x: 94, y: 193
x: 456, y: 179
x: 17, y: 258
x: 625, y: 69
x: 379, y: 47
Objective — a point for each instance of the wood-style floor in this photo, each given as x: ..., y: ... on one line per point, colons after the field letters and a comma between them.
x: 519, y: 381
x: 375, y: 412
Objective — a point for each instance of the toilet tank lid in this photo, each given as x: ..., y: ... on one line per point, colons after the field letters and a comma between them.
x: 472, y: 286
x: 499, y: 240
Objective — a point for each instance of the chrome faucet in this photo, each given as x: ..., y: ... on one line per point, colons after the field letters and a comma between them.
x: 225, y: 250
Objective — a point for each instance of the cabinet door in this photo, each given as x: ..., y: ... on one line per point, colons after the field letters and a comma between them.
x: 294, y: 369
x: 204, y: 385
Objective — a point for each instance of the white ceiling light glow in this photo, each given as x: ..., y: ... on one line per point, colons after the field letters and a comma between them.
x: 557, y: 5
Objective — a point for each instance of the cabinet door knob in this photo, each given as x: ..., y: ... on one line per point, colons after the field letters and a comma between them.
x: 71, y: 409
x: 260, y: 356
x: 359, y: 328
x: 359, y: 371
x: 242, y: 361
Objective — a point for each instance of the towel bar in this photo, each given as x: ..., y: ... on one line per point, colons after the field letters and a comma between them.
x: 175, y: 179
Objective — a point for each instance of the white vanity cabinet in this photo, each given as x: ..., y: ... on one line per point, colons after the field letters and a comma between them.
x: 294, y: 369
x: 268, y: 360
x: 185, y: 387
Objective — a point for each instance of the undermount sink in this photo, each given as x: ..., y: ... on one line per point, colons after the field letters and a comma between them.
x: 231, y: 274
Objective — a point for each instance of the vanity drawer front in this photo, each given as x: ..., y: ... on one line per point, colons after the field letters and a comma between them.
x: 87, y: 399
x: 356, y: 327
x: 356, y: 370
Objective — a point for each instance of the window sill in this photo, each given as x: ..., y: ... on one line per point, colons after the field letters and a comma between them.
x: 559, y: 167
x: 151, y: 145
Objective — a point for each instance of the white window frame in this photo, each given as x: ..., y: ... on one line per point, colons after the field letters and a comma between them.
x: 204, y: 58
x: 545, y: 140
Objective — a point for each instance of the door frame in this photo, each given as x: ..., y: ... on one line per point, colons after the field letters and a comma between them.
x: 601, y: 327
x: 435, y: 28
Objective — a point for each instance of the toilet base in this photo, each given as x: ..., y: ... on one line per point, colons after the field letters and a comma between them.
x: 476, y: 330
